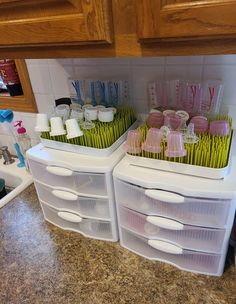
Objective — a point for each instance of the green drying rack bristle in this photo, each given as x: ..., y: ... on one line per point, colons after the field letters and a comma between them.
x: 210, y: 151
x: 104, y: 134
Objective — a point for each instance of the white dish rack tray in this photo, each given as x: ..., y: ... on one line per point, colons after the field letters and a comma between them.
x: 212, y: 173
x: 88, y: 150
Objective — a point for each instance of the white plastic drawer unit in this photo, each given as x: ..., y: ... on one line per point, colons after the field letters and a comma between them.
x: 159, y: 250
x: 82, y: 182
x: 96, y: 229
x: 188, y: 237
x: 188, y: 210
x: 68, y: 200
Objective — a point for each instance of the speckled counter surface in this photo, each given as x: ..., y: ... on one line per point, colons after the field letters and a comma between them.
x: 40, y: 263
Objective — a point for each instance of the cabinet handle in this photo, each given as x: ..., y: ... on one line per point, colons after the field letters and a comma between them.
x: 165, y: 223
x: 165, y: 196
x: 59, y: 171
x: 70, y: 217
x: 65, y: 195
x: 165, y: 247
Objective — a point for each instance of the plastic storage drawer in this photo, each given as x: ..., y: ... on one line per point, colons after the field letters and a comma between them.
x: 188, y: 210
x: 70, y: 221
x: 84, y: 183
x: 188, y: 237
x: 165, y: 252
x: 68, y: 200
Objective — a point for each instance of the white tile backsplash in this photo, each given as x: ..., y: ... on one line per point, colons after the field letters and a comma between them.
x: 147, y: 61
x: 103, y: 72
x: 40, y: 78
x: 220, y: 59
x: 228, y: 75
x: 175, y: 71
x: 184, y: 60
x: 49, y: 79
x: 44, y: 102
x: 61, y: 61
x: 49, y: 76
x: 4, y: 129
x: 59, y: 76
x: 101, y: 61
x: 36, y: 62
x: 140, y: 76
x: 7, y: 140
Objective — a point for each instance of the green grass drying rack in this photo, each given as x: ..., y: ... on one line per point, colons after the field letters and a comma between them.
x: 209, y: 157
x: 102, y: 140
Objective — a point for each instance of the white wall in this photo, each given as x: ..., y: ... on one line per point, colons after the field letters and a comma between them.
x: 49, y: 79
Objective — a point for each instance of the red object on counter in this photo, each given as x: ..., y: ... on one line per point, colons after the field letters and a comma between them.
x: 10, y: 77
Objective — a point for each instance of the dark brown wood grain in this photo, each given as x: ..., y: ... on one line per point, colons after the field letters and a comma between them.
x: 54, y: 22
x: 138, y: 31
x: 171, y: 19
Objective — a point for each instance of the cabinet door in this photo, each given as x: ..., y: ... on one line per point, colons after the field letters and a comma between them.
x: 54, y: 22
x: 182, y: 19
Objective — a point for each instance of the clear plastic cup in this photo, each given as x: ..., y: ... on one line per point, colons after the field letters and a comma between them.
x: 174, y: 121
x: 133, y: 142
x: 57, y: 127
x: 92, y: 113
x: 73, y: 129
x: 113, y: 109
x: 99, y: 107
x: 75, y: 106
x: 106, y: 115
x: 153, y: 141
x: 155, y: 120
x: 167, y: 112
x: 42, y: 123
x: 175, y: 145
x: 200, y: 124
x: 219, y: 127
x: 183, y: 115
x: 77, y: 114
x: 63, y: 111
x: 87, y: 106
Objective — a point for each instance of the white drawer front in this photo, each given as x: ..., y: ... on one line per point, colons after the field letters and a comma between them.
x: 188, y: 237
x: 162, y: 251
x: 89, y: 184
x: 188, y: 210
x: 70, y: 221
x: 67, y: 200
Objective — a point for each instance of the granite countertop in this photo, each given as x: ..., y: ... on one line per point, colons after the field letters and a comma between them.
x: 40, y: 263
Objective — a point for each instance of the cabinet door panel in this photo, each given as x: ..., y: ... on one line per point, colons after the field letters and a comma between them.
x: 54, y: 22
x: 182, y: 19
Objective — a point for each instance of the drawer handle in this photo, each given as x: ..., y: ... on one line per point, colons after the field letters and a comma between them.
x: 65, y: 195
x: 165, y: 247
x: 165, y: 196
x: 59, y: 171
x: 70, y: 217
x: 165, y: 223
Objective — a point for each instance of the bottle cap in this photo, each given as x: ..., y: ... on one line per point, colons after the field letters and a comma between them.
x: 20, y: 130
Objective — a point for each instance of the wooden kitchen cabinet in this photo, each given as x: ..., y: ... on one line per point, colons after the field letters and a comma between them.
x: 54, y: 22
x: 182, y: 19
x: 116, y: 28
